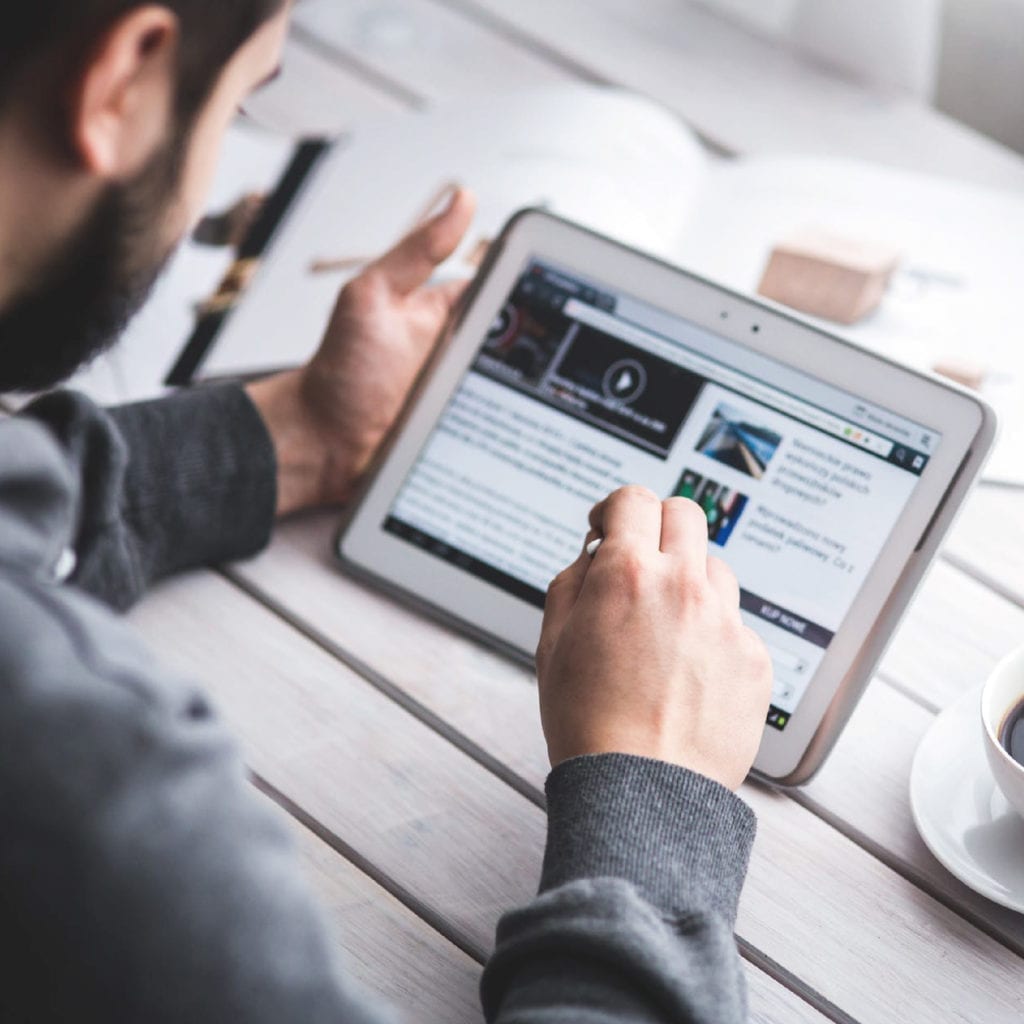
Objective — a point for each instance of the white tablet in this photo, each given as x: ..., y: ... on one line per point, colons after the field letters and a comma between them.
x: 828, y: 474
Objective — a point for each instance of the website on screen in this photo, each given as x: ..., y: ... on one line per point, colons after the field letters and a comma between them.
x: 577, y: 391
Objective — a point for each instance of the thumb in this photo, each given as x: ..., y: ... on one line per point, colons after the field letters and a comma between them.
x: 447, y: 296
x: 412, y: 262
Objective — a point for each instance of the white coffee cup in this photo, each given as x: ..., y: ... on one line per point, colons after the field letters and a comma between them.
x: 1000, y: 695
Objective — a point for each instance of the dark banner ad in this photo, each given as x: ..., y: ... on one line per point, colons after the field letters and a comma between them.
x: 597, y: 378
x: 786, y: 621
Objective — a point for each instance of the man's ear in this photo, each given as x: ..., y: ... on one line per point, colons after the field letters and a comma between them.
x: 122, y: 102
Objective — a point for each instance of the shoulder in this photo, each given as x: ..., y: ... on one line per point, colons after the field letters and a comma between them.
x: 55, y: 638
x: 83, y: 703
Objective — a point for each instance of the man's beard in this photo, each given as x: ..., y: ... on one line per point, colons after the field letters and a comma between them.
x: 85, y: 298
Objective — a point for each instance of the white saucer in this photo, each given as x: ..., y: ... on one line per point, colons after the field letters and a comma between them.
x: 962, y: 816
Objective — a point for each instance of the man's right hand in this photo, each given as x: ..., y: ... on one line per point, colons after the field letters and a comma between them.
x: 643, y: 649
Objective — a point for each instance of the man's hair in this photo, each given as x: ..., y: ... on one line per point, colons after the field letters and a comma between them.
x: 59, y: 34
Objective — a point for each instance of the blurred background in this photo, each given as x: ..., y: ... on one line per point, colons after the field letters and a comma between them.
x: 913, y: 108
x: 829, y: 76
x: 964, y: 56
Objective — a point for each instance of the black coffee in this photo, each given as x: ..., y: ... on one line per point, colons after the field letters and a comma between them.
x: 1011, y: 734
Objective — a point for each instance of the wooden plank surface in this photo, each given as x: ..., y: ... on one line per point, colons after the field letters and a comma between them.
x: 988, y: 540
x: 977, y: 627
x: 462, y: 845
x: 384, y: 947
x: 456, y: 680
x: 796, y: 852
x: 770, y: 1002
x: 873, y: 943
x: 408, y: 801
x: 863, y: 790
x: 397, y: 956
x: 464, y: 684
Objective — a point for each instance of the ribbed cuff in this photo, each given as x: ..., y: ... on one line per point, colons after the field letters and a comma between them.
x: 681, y: 838
x: 201, y: 485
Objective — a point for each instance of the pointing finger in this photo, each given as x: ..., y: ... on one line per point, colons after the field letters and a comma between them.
x: 631, y: 516
x: 684, y: 531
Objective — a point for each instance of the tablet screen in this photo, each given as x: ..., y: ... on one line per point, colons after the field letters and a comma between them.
x: 579, y: 390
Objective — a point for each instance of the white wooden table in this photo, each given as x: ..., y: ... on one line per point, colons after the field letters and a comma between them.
x: 410, y: 760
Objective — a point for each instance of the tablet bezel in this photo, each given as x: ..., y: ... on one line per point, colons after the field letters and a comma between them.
x: 786, y: 758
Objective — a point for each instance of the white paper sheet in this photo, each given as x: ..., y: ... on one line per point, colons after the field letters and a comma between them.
x: 957, y: 296
x: 614, y: 162
x: 627, y: 168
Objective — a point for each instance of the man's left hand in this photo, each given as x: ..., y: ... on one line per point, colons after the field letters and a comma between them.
x: 328, y: 419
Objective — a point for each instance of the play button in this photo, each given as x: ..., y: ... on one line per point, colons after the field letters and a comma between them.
x: 625, y: 381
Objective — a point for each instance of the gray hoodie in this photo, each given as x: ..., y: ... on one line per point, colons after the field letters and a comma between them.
x: 141, y: 878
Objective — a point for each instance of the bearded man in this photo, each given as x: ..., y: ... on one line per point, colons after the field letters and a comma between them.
x: 141, y: 879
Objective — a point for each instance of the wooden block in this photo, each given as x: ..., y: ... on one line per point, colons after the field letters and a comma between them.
x: 829, y: 276
x: 970, y: 375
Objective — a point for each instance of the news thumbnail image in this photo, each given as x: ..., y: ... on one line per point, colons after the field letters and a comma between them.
x: 525, y: 338
x: 733, y: 439
x: 723, y: 506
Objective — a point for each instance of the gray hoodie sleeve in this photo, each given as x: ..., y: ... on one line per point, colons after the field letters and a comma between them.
x: 164, y: 486
x: 642, y: 875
